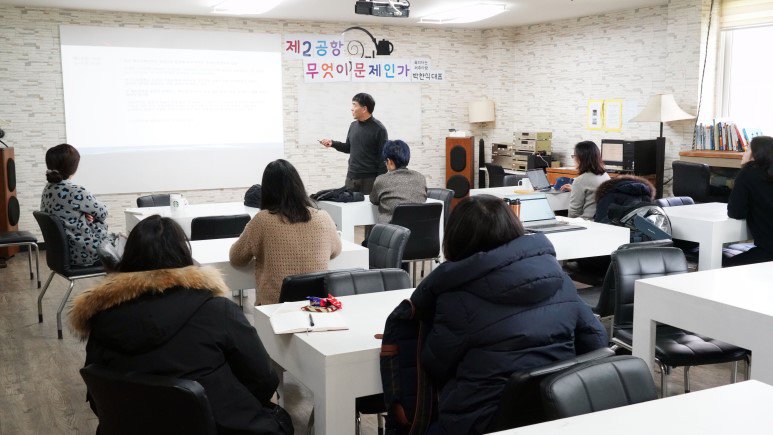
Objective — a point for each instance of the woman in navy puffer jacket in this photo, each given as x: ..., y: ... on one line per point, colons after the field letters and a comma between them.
x: 501, y: 303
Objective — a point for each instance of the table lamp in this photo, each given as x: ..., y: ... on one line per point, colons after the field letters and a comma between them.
x: 481, y: 111
x: 662, y: 108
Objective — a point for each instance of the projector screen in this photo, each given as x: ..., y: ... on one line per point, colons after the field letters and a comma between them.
x: 167, y: 110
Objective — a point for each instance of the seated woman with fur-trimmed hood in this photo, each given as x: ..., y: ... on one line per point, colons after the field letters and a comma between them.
x: 160, y: 314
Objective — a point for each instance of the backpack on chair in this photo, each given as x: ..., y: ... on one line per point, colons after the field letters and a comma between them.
x: 411, y: 398
x: 647, y: 221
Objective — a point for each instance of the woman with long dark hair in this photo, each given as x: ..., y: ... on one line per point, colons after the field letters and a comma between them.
x: 752, y: 199
x: 500, y: 304
x: 160, y: 314
x: 289, y: 236
x: 587, y: 160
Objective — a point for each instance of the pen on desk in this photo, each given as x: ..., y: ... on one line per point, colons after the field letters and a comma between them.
x: 311, y: 320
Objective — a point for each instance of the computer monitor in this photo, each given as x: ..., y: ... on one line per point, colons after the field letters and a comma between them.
x: 612, y: 153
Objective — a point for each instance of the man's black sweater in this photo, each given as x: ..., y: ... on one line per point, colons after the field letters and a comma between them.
x: 752, y: 199
x: 364, y: 144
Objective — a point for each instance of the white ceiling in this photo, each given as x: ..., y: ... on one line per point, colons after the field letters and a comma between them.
x: 519, y: 12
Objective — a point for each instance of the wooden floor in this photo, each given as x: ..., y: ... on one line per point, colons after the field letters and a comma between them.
x: 41, y: 391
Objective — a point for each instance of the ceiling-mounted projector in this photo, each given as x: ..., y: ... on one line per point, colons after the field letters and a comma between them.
x: 383, y: 8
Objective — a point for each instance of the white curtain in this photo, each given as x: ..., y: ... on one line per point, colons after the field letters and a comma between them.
x: 745, y: 13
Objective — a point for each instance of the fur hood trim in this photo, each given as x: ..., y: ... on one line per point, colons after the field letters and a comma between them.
x: 612, y: 183
x: 118, y: 288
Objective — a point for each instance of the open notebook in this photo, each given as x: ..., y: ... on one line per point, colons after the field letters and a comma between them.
x: 289, y: 319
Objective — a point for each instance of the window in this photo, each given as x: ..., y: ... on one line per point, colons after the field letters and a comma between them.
x: 746, y: 68
x: 745, y: 90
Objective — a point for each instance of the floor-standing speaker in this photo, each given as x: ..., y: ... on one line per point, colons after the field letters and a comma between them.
x: 9, y: 205
x: 459, y: 167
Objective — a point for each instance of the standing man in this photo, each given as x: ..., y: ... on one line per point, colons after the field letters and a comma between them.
x: 364, y: 144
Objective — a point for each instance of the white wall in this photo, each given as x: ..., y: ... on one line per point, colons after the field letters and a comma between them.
x: 540, y: 76
x: 549, y: 71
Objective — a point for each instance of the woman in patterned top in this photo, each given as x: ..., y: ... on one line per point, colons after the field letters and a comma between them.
x: 84, y: 217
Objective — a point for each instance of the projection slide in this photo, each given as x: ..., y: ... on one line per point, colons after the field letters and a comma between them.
x: 166, y: 110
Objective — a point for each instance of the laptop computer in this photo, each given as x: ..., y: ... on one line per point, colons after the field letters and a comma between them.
x: 539, y: 181
x: 537, y: 216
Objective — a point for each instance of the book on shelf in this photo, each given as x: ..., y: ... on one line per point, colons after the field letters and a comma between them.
x: 724, y: 136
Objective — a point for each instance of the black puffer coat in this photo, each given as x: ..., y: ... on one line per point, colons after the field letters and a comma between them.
x: 496, y: 312
x: 176, y: 322
x: 621, y: 191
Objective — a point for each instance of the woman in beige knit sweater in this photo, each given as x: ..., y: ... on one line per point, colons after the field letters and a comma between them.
x: 288, y: 236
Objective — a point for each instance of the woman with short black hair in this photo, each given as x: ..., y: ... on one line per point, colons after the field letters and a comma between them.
x: 289, y: 236
x: 752, y: 199
x: 84, y: 217
x: 500, y: 304
x: 159, y: 314
x: 399, y: 185
x: 587, y: 160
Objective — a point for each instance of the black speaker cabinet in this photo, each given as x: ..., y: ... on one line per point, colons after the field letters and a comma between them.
x: 460, y: 173
x: 9, y: 205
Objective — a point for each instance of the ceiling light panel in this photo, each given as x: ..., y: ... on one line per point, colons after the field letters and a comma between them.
x: 465, y: 14
x: 244, y: 7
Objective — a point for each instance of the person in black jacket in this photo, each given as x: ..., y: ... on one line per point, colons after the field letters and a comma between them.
x: 364, y: 144
x: 160, y: 314
x: 752, y: 199
x: 624, y: 190
x: 501, y: 303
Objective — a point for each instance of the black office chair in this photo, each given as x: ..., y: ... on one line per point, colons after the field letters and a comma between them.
x: 297, y: 287
x: 673, y: 201
x: 445, y: 195
x: 511, y: 180
x: 694, y: 180
x: 362, y: 282
x: 218, y: 227
x: 156, y: 200
x: 496, y: 175
x: 520, y: 402
x: 386, y: 246
x: 23, y: 238
x: 674, y: 347
x: 58, y: 260
x: 597, y: 385
x: 606, y: 303
x: 134, y: 403
x: 366, y: 281
x: 423, y: 220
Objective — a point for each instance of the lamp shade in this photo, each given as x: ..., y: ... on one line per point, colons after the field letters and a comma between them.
x: 662, y: 108
x: 482, y: 111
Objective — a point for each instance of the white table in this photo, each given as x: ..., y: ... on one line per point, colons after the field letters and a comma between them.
x: 348, y: 215
x: 734, y: 305
x: 596, y: 240
x: 135, y: 215
x: 557, y: 201
x: 215, y: 253
x: 742, y: 408
x: 709, y: 225
x: 337, y: 366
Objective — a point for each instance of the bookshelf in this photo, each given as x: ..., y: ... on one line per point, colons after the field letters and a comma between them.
x: 717, y: 159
